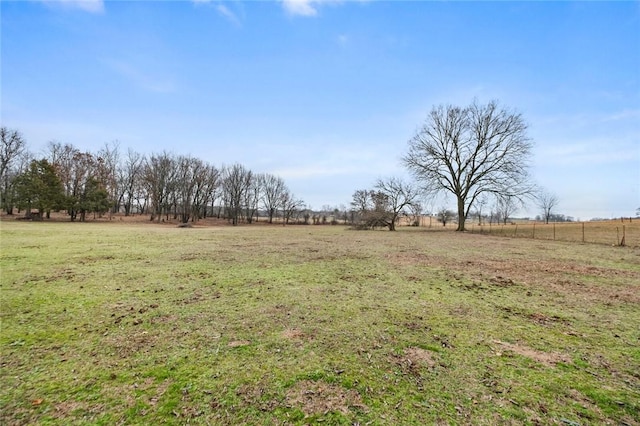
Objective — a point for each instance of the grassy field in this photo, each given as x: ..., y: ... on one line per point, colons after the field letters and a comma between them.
x: 150, y: 324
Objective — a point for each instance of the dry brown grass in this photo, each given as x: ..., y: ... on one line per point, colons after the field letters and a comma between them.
x: 610, y: 232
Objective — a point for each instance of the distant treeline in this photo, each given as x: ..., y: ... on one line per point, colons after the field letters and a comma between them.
x: 162, y: 185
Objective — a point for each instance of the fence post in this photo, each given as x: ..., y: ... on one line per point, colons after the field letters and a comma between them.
x: 622, y: 243
x: 583, y: 232
x: 515, y: 232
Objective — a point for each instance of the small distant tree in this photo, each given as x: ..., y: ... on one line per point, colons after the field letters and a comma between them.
x: 416, y: 210
x: 290, y: 206
x: 398, y: 197
x: 445, y: 215
x: 306, y: 215
x: 480, y: 205
x: 547, y: 202
x: 370, y: 209
x: 505, y: 207
x: 383, y: 205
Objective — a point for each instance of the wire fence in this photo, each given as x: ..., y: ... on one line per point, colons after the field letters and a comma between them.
x: 621, y: 232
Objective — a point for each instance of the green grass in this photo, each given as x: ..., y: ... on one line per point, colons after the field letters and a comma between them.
x: 150, y: 324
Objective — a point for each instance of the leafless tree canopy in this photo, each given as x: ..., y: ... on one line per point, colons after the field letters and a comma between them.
x: 13, y: 160
x: 505, y: 207
x: 547, y: 202
x: 384, y: 205
x: 12, y: 145
x: 399, y: 196
x: 273, y: 190
x: 471, y: 151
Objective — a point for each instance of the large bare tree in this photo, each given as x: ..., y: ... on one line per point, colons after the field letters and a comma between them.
x: 472, y: 151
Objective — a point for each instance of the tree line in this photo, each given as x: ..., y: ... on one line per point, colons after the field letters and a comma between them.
x: 163, y: 185
x: 478, y: 154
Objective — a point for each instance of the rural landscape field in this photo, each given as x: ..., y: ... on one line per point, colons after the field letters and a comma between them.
x: 141, y: 323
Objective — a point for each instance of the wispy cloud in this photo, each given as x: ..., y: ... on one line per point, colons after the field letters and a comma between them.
x: 300, y: 7
x: 627, y: 114
x: 314, y: 171
x: 91, y: 6
x: 139, y: 78
x: 305, y: 7
x: 222, y: 9
x: 228, y: 14
x: 591, y: 152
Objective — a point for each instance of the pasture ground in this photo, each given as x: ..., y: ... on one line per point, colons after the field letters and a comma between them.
x: 151, y: 324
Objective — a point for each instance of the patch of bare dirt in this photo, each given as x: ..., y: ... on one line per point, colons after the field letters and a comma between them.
x: 414, y: 360
x: 545, y: 320
x: 129, y: 344
x: 293, y: 334
x: 255, y: 396
x: 419, y: 356
x: 148, y: 390
x: 163, y: 319
x: 238, y: 343
x: 546, y: 358
x: 66, y: 409
x: 320, y: 398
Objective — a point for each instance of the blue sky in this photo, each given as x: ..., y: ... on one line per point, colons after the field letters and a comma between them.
x: 326, y: 94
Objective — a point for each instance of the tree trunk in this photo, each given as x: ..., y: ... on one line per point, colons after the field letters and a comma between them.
x: 392, y: 223
x: 461, y: 215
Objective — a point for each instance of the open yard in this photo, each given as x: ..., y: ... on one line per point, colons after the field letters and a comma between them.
x: 150, y: 324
